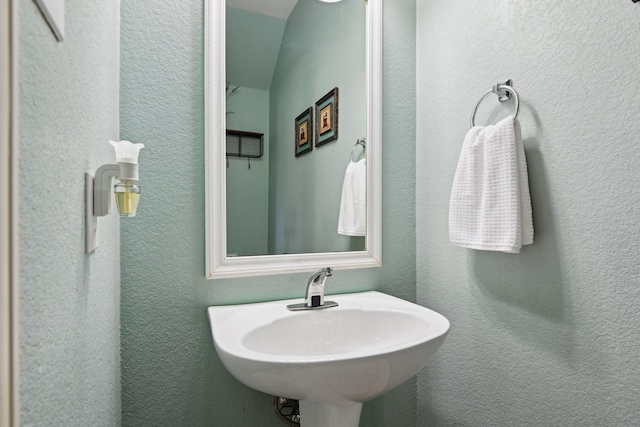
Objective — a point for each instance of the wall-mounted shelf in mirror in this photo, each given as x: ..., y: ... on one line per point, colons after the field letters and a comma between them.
x: 312, y: 48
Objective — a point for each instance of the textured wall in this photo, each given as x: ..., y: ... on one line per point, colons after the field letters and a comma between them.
x: 304, y: 200
x: 171, y: 374
x: 69, y: 302
x: 548, y: 337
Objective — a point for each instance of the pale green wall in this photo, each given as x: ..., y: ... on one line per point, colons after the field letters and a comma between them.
x: 314, y: 58
x: 171, y: 375
x: 69, y: 302
x: 548, y: 337
x: 248, y: 189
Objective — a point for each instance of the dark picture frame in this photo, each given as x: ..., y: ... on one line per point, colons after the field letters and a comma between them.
x: 326, y: 129
x: 304, y: 132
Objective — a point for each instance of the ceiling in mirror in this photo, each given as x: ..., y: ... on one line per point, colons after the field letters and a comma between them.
x: 275, y: 8
x: 254, y: 35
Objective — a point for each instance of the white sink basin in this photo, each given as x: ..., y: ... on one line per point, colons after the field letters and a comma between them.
x: 331, y: 360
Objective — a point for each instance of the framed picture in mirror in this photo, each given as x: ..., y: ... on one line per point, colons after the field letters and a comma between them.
x: 327, y: 118
x: 304, y: 132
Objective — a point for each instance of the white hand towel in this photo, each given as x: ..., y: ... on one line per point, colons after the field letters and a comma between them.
x: 352, y: 220
x: 490, y: 206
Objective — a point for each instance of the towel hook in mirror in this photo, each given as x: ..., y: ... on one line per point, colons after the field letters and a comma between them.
x: 504, y: 92
x: 361, y: 142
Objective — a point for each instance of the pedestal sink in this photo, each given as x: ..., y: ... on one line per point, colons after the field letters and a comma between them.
x: 331, y: 360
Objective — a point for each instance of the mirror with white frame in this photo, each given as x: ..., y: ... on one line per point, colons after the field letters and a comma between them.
x: 276, y: 211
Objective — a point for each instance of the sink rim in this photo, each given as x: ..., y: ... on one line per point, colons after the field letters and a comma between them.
x: 252, y: 316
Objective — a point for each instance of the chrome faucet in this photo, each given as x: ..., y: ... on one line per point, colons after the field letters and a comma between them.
x: 315, y: 287
x: 314, y: 297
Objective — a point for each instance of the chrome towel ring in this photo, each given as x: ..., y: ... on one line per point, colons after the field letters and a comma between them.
x: 498, y: 89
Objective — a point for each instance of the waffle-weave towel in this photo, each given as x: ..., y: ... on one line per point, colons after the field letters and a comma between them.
x: 490, y: 206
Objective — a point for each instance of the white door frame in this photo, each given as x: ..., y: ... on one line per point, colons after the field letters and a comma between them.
x: 8, y: 214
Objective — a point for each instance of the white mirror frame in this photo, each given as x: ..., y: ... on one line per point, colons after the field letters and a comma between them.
x: 218, y: 264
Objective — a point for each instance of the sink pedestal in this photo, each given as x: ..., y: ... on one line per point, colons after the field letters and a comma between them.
x: 318, y: 414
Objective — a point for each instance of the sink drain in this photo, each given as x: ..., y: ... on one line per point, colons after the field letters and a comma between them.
x: 287, y: 410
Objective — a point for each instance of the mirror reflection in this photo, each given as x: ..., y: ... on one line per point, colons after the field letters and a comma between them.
x: 296, y: 107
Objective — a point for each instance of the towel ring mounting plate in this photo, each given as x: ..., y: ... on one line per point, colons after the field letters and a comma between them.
x: 496, y: 89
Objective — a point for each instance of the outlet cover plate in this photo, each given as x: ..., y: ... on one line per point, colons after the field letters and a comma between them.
x: 90, y: 221
x: 53, y: 11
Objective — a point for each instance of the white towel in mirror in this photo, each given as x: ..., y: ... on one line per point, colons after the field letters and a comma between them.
x: 352, y: 220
